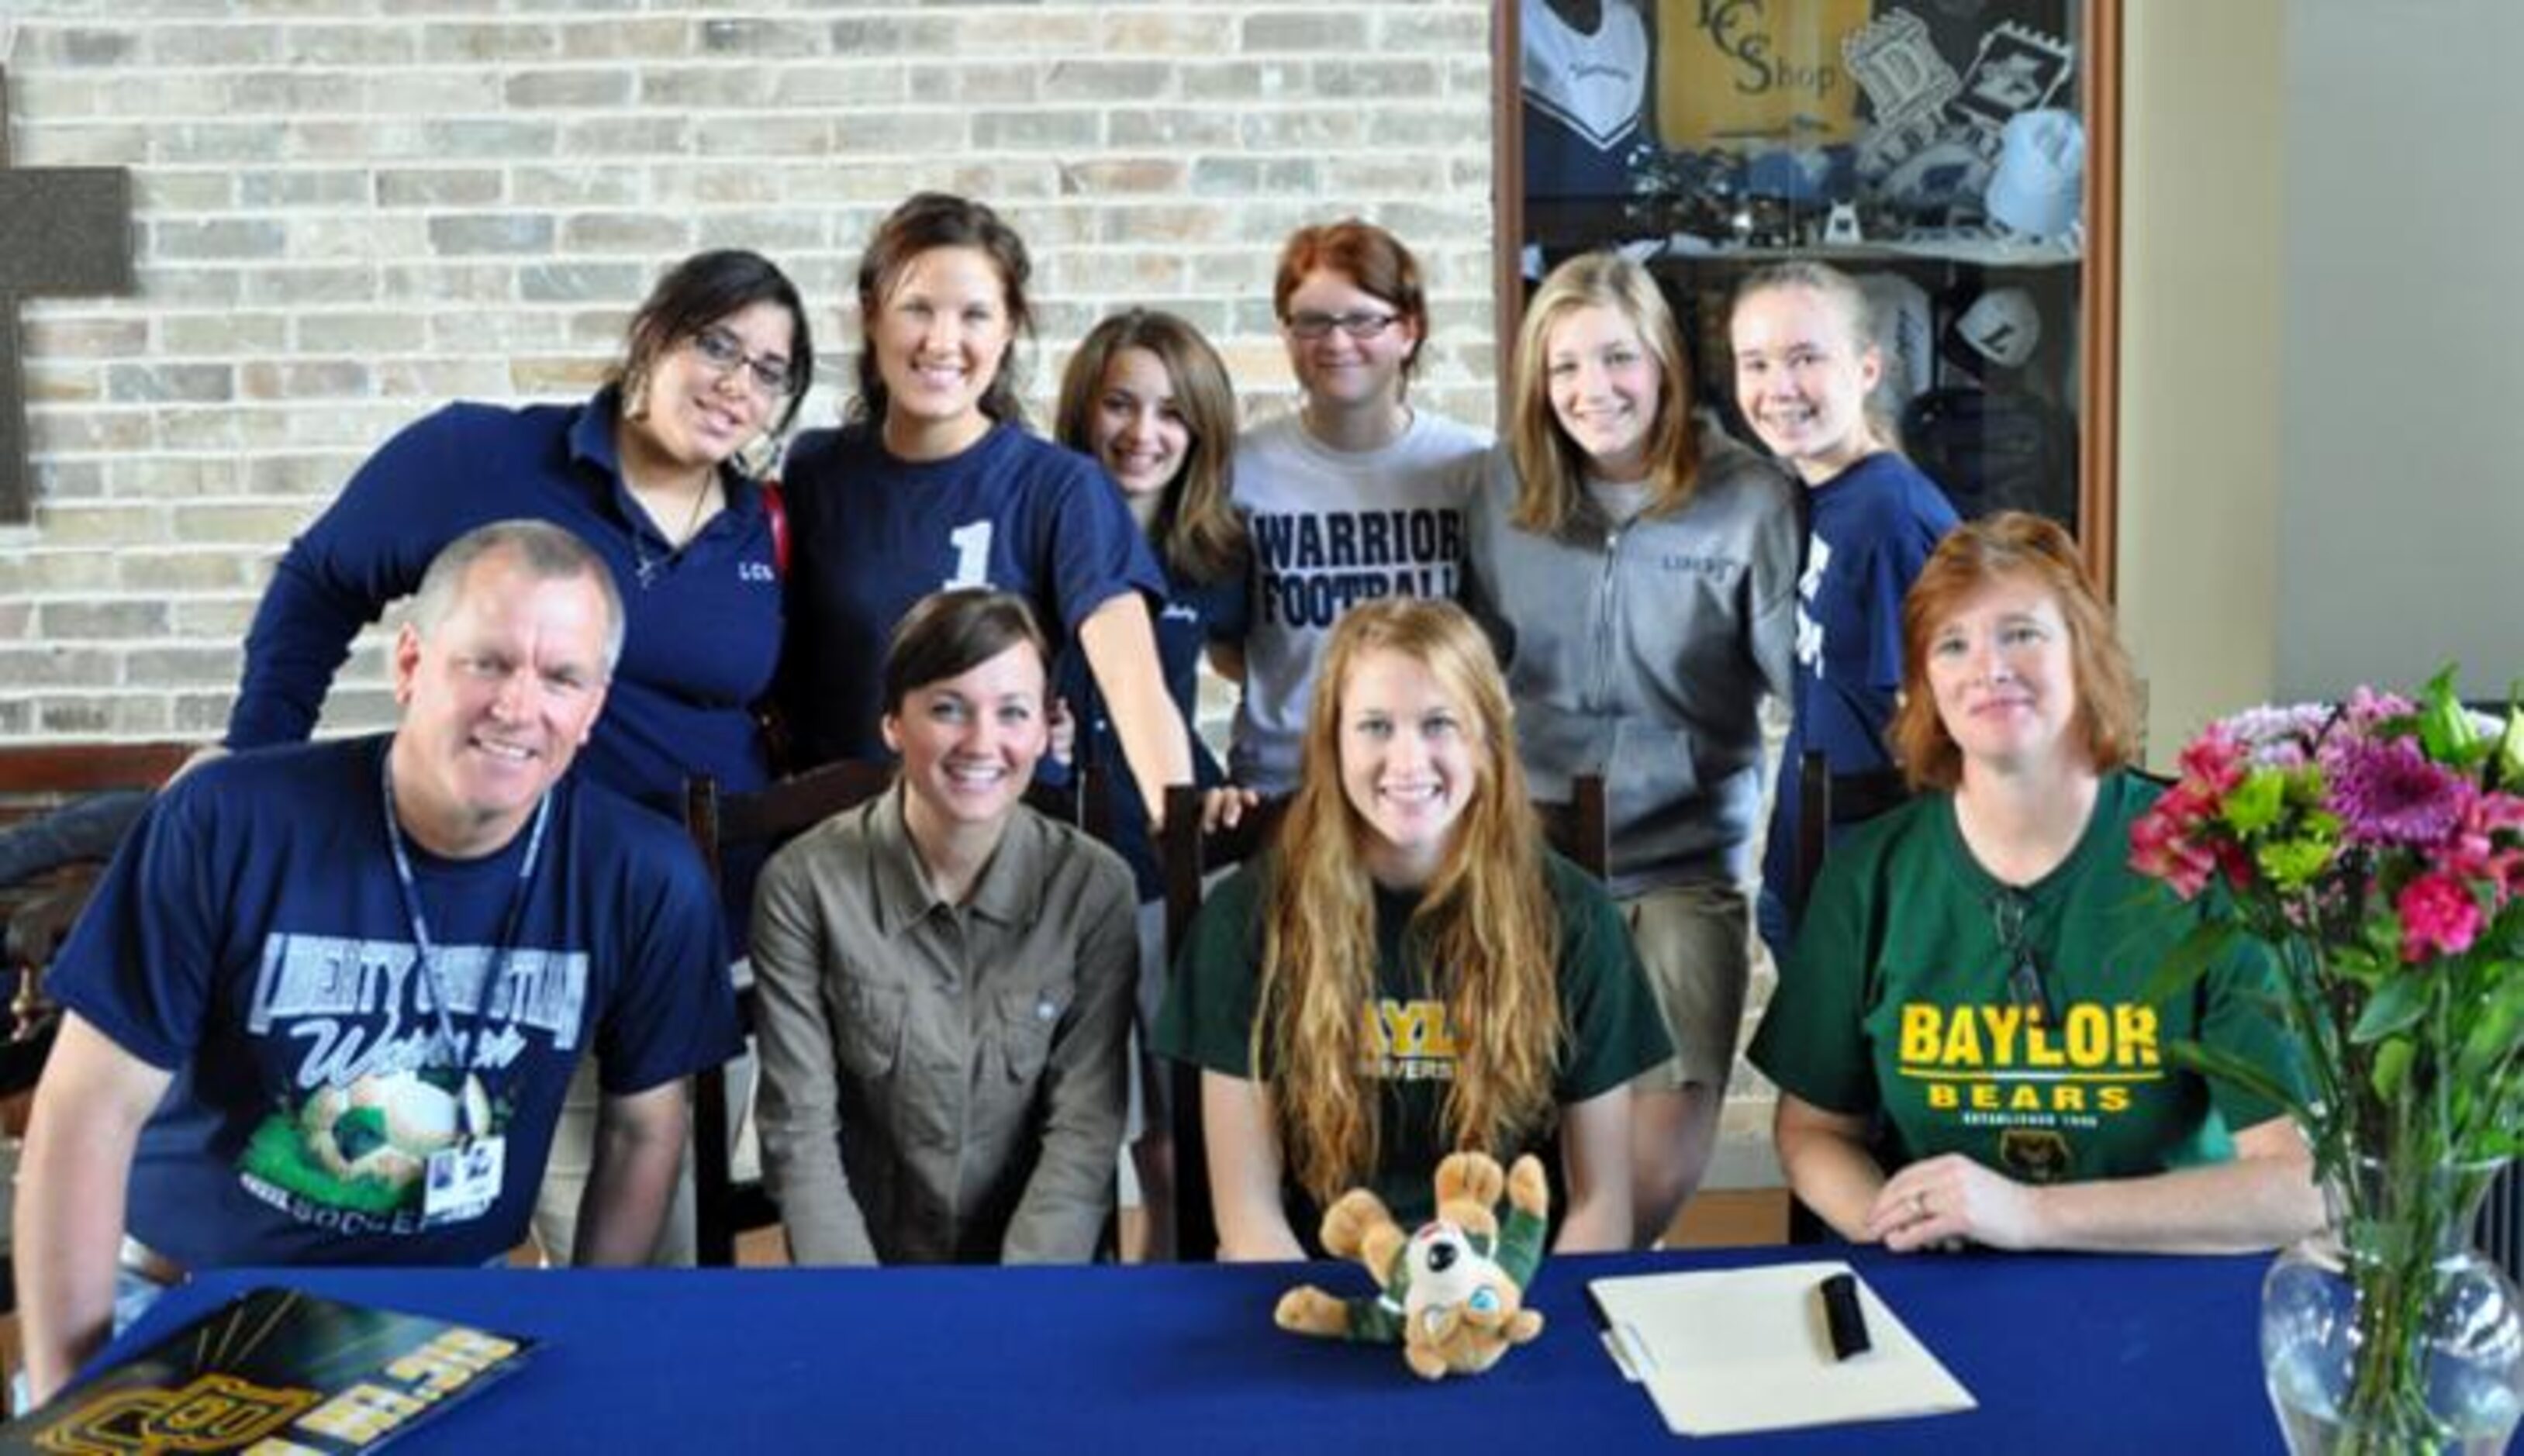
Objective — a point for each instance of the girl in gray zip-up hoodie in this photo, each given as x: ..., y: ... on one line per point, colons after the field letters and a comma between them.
x: 1639, y: 571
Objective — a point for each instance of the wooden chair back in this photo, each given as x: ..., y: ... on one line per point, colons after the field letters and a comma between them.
x: 38, y: 913
x: 1827, y: 803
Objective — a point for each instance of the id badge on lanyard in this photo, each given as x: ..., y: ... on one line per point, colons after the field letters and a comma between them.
x: 461, y: 1181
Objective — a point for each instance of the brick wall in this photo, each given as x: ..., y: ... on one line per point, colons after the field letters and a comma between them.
x: 352, y: 212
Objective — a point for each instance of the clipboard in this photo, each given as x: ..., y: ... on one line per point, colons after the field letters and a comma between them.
x: 1727, y: 1351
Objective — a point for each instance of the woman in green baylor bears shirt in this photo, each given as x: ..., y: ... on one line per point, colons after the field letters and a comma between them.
x: 1409, y: 971
x: 1960, y: 1039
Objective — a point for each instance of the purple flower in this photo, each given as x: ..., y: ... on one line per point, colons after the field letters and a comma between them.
x: 2277, y: 737
x: 2389, y: 791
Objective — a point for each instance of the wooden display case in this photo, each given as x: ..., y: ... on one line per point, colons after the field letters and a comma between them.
x: 1960, y: 157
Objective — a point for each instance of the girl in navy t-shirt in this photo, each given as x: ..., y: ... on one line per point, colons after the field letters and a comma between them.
x: 1806, y: 361
x: 935, y: 483
x: 1149, y: 399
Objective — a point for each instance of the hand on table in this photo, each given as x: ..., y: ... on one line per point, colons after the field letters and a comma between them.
x: 1945, y: 1202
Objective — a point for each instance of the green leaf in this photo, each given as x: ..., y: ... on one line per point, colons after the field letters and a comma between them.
x: 2393, y: 1067
x: 2396, y: 1007
x: 2492, y: 1037
x: 2190, y: 958
x: 2445, y: 729
x: 2251, y: 1076
x: 2509, y: 772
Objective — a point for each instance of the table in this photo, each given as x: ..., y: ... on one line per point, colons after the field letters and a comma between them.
x: 2065, y: 1353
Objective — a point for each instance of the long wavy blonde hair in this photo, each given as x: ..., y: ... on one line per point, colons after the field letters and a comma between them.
x: 1485, y: 926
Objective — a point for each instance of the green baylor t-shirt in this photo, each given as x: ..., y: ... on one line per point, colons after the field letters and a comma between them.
x: 1614, y: 1032
x: 1898, y: 1000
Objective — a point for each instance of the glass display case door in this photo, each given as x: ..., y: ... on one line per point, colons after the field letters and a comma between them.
x: 1957, y: 157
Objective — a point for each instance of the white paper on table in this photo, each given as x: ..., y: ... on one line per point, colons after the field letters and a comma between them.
x: 1733, y: 1350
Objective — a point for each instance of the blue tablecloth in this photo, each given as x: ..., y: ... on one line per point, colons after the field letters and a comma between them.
x: 2065, y: 1354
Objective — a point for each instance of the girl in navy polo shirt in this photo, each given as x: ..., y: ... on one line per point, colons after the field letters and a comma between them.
x: 649, y: 473
x: 934, y: 482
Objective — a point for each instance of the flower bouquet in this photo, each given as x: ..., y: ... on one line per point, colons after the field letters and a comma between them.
x: 2377, y: 849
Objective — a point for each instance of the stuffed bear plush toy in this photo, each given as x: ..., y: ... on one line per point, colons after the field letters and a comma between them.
x: 1453, y: 1292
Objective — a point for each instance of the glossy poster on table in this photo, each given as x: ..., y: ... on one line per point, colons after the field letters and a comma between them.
x: 276, y: 1373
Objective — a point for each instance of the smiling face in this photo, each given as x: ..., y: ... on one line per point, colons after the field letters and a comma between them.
x: 496, y: 698
x: 2004, y: 676
x: 969, y: 744
x: 939, y: 339
x: 696, y: 412
x: 1801, y: 377
x: 1605, y: 385
x: 1134, y: 427
x: 1339, y: 371
x: 1411, y: 758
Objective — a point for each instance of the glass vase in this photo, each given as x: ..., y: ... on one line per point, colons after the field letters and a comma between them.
x: 2386, y: 1334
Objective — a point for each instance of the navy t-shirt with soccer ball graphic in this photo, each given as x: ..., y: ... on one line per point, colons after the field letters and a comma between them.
x: 253, y: 938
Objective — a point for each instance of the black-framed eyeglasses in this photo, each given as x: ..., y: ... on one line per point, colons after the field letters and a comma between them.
x: 1361, y: 325
x: 2007, y: 910
x: 723, y: 351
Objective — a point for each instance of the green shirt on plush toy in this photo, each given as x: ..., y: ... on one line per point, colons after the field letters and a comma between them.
x: 1452, y: 1294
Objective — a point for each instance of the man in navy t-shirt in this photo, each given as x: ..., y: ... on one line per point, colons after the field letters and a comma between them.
x: 323, y: 1005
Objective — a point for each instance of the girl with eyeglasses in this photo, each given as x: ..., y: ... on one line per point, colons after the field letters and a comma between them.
x: 1149, y: 398
x: 1358, y: 495
x: 1409, y: 971
x: 1642, y: 570
x: 935, y: 482
x: 1962, y: 1042
x: 652, y: 473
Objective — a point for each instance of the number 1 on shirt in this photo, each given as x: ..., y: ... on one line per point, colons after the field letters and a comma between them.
x: 972, y: 543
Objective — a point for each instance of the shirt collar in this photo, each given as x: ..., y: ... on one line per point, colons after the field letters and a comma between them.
x: 592, y: 442
x: 1009, y: 890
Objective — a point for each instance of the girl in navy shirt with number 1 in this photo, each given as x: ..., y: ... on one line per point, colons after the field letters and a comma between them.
x: 934, y: 482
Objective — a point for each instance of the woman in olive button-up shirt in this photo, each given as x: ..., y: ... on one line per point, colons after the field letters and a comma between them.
x: 945, y: 980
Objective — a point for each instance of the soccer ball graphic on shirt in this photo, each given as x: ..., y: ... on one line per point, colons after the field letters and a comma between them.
x: 366, y: 1145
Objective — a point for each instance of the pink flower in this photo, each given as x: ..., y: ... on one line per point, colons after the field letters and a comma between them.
x: 2438, y: 917
x: 2161, y: 846
x: 2484, y: 847
x: 2367, y: 709
x: 2213, y: 761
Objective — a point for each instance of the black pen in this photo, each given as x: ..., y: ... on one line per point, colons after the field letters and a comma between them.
x: 1844, y: 1316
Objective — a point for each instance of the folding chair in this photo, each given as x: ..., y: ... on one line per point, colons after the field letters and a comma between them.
x: 724, y: 1207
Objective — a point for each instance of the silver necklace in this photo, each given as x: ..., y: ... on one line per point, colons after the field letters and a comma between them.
x: 649, y: 568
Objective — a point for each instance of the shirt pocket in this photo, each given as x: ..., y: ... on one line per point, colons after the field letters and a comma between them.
x: 1028, y: 1017
x: 870, y: 1033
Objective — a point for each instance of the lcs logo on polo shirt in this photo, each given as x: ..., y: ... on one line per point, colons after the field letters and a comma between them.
x: 757, y: 571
